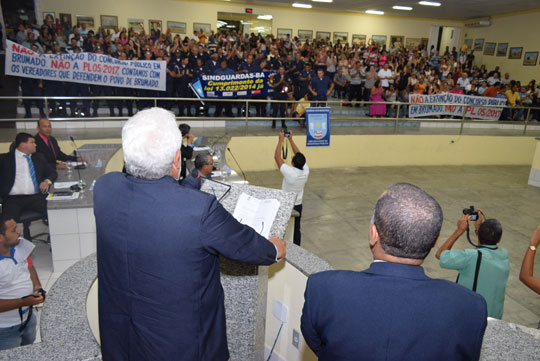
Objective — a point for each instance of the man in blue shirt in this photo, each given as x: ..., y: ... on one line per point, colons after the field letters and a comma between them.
x: 321, y: 87
x: 223, y: 70
x: 304, y: 79
x: 281, y: 85
x: 485, y: 269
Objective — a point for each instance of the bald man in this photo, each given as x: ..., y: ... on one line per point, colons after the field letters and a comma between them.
x: 47, y: 145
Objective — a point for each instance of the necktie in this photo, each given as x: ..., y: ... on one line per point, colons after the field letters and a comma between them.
x: 32, y: 172
x: 52, y: 147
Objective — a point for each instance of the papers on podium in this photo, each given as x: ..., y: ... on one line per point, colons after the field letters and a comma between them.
x: 259, y: 214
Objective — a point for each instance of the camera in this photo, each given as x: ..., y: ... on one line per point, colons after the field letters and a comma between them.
x: 286, y: 132
x: 471, y: 212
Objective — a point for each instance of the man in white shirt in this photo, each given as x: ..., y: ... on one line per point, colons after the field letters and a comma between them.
x: 25, y: 178
x: 20, y: 288
x: 464, y: 81
x: 294, y: 177
x: 385, y: 75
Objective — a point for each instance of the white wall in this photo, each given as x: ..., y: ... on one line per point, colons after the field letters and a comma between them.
x: 286, y: 284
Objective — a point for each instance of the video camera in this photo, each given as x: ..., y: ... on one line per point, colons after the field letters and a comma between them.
x: 471, y: 212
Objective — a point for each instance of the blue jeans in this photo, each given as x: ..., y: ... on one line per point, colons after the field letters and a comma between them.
x: 11, y: 337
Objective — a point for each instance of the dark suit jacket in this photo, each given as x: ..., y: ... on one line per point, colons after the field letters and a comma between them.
x: 7, y: 171
x: 186, y: 153
x: 193, y: 180
x: 42, y: 148
x: 160, y: 296
x: 391, y: 312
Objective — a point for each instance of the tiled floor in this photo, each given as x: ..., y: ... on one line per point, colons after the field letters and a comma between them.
x: 338, y: 205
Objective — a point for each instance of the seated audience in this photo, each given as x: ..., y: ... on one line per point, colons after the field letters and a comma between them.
x: 393, y: 311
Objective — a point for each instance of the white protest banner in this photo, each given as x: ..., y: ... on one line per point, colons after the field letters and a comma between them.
x: 87, y: 68
x: 456, y: 105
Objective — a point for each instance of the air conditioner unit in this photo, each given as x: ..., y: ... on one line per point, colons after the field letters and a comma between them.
x: 478, y: 24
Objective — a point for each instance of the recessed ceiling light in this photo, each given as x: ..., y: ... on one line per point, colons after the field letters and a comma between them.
x: 429, y: 3
x: 398, y: 7
x: 322, y: 1
x: 265, y: 17
x: 300, y: 5
x: 375, y: 12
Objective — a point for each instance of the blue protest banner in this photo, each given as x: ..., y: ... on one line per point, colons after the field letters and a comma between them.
x: 317, y: 127
x: 234, y: 85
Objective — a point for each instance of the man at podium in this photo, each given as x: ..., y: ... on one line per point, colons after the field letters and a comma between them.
x: 160, y: 296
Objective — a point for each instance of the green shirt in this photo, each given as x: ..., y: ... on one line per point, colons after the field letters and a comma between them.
x: 492, y: 277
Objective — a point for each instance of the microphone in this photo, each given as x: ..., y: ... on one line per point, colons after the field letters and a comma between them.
x: 77, y: 154
x: 244, y: 174
x: 81, y: 185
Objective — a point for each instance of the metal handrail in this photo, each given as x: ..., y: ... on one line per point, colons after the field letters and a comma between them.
x: 247, y: 101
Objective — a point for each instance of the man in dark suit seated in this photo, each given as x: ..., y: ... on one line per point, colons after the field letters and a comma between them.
x: 25, y: 178
x: 158, y: 247
x: 204, y: 164
x: 47, y: 145
x: 393, y: 311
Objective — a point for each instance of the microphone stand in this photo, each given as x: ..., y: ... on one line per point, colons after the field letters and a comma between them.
x: 243, y: 174
x: 81, y: 185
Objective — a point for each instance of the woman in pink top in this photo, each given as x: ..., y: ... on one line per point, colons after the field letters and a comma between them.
x: 377, y: 110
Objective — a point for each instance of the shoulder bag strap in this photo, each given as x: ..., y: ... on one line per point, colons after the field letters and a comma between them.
x: 478, y: 261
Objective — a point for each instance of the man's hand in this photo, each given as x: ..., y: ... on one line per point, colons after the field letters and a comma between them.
x: 44, y: 186
x: 281, y: 247
x: 34, y: 299
x: 463, y: 223
x: 290, y: 134
x: 281, y: 135
x: 61, y: 166
x: 82, y: 159
x: 480, y: 219
x: 535, y: 239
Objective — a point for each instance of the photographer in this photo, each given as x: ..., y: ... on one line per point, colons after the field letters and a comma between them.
x: 294, y: 178
x: 485, y: 269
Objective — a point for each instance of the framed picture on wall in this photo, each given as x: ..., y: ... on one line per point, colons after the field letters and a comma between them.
x: 109, y: 21
x: 478, y: 44
x: 343, y: 37
x: 155, y: 25
x: 502, y: 49
x: 137, y: 25
x: 359, y: 39
x: 65, y: 20
x: 176, y: 27
x: 282, y: 33
x: 88, y: 20
x: 411, y: 43
x: 468, y: 42
x: 49, y: 18
x: 397, y: 41
x: 515, y: 53
x: 530, y: 58
x: 490, y: 48
x: 380, y: 40
x: 305, y: 34
x: 323, y: 35
x: 206, y: 28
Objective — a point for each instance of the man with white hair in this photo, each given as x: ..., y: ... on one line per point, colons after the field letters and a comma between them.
x: 160, y: 296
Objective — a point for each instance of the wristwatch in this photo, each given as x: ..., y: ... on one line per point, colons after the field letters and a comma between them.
x: 532, y: 248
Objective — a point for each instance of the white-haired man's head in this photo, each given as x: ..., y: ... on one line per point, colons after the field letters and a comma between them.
x: 151, y: 141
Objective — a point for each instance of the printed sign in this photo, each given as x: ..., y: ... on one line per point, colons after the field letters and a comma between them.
x: 458, y: 104
x: 318, y: 127
x: 87, y: 68
x: 235, y: 85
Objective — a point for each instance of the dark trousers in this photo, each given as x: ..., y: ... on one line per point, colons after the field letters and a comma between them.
x: 355, y: 92
x: 297, y: 235
x: 13, y: 206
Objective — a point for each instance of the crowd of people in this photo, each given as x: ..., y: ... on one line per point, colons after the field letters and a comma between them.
x: 352, y: 72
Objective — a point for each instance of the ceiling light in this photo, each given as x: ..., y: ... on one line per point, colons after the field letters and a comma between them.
x: 398, y: 7
x: 322, y: 1
x: 300, y: 5
x: 429, y: 3
x: 265, y: 17
x: 375, y: 12
x: 230, y: 26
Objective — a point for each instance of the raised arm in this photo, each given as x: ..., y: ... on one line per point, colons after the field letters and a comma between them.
x: 277, y: 152
x: 293, y: 144
x: 527, y: 267
x: 462, y: 225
